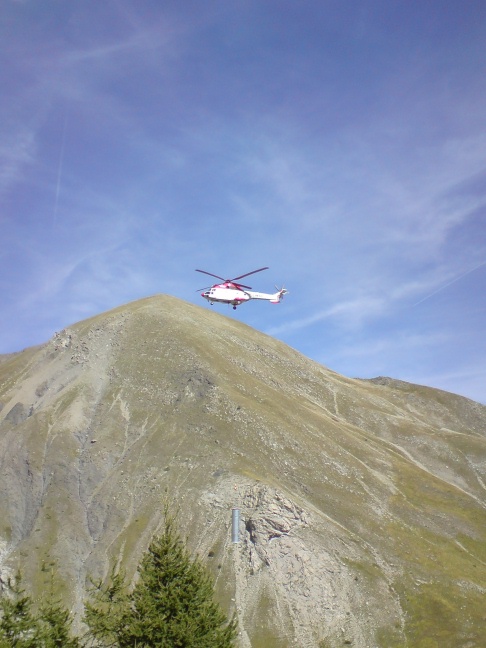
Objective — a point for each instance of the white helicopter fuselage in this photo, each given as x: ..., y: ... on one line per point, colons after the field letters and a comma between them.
x: 229, y: 294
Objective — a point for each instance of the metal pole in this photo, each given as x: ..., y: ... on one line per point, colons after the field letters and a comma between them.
x: 235, y: 523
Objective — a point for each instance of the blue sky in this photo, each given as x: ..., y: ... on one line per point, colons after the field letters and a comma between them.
x: 341, y: 143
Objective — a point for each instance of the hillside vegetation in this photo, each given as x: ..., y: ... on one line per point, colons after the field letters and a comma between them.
x: 362, y: 503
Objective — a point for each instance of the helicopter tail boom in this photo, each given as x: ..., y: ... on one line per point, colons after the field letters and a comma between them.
x: 274, y: 298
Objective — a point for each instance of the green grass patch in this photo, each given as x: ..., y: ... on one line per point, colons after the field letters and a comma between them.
x: 263, y: 635
x: 443, y: 617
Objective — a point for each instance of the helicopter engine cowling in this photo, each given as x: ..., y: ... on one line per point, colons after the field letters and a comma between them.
x: 232, y: 296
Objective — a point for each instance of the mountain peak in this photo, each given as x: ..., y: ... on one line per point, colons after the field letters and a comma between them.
x: 359, y: 500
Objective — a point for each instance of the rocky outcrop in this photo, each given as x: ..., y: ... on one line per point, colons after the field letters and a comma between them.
x: 19, y: 413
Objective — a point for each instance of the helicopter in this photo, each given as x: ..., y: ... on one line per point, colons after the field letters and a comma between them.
x: 234, y: 293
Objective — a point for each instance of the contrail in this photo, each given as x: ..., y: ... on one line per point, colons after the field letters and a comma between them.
x: 464, y: 274
x: 59, y: 174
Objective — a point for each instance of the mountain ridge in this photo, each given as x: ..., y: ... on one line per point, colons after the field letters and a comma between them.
x: 362, y: 501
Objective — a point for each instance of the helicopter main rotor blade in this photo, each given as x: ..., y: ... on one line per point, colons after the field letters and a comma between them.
x: 235, y: 280
x: 238, y: 285
x: 248, y: 274
x: 211, y: 274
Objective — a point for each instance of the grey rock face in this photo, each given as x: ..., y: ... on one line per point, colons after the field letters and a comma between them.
x: 18, y: 414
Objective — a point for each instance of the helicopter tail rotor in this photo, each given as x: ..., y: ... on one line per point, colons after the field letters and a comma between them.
x: 279, y: 295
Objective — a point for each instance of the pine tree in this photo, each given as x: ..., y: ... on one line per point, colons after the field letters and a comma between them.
x: 55, y: 623
x: 19, y: 626
x: 170, y: 606
x: 109, y: 612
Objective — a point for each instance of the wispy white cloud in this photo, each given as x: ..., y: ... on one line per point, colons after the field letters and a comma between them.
x: 449, y: 283
x: 349, y: 314
x: 361, y: 311
x: 386, y: 346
